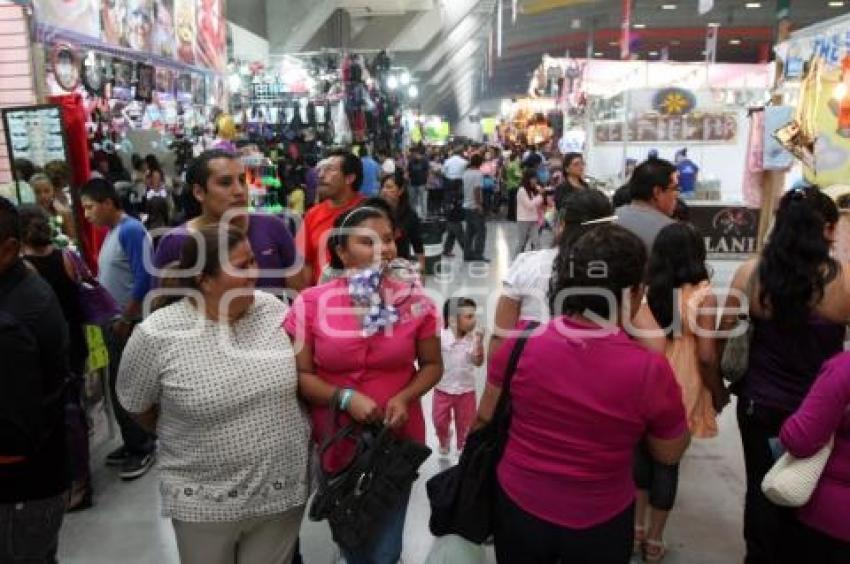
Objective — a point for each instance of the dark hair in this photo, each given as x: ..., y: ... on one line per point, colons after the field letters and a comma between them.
x: 677, y: 258
x: 528, y: 175
x: 117, y: 172
x: 452, y: 307
x: 796, y: 265
x: 607, y: 258
x: 370, y: 209
x: 622, y: 196
x: 649, y: 174
x: 580, y: 207
x: 10, y: 221
x: 476, y: 161
x: 351, y: 164
x: 568, y: 160
x: 207, y: 240
x: 199, y: 169
x: 24, y: 169
x: 157, y: 210
x: 153, y: 163
x: 137, y: 161
x: 403, y: 208
x: 100, y: 190
x: 59, y: 173
x: 35, y: 226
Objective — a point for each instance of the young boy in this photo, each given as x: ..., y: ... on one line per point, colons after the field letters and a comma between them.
x: 463, y: 350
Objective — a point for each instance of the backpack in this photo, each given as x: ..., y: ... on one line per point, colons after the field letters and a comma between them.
x: 24, y: 424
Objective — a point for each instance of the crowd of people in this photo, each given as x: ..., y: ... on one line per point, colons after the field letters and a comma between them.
x: 237, y: 346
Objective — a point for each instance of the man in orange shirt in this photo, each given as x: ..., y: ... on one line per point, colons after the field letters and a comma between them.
x: 340, y: 176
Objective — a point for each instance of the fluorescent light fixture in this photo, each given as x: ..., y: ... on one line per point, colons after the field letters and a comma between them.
x: 835, y: 4
x: 713, y: 24
x: 597, y: 54
x: 669, y: 6
x: 392, y: 83
x: 653, y: 53
x: 639, y: 26
x: 752, y: 5
x: 405, y: 78
x: 675, y: 43
x: 613, y: 43
x: 413, y: 92
x: 734, y: 42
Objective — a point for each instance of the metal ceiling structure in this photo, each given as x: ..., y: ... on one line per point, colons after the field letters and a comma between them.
x: 446, y: 43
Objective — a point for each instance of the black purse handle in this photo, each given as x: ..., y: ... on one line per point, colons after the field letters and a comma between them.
x: 502, y: 410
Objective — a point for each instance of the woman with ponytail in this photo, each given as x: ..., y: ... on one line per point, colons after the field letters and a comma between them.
x: 797, y: 297
x: 680, y: 302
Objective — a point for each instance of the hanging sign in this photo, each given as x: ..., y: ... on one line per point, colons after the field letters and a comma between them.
x: 691, y: 128
x: 674, y: 101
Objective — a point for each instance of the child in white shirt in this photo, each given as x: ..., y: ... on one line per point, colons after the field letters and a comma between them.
x: 463, y: 350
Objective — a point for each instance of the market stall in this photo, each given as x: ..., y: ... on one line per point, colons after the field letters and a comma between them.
x: 617, y: 111
x: 815, y: 81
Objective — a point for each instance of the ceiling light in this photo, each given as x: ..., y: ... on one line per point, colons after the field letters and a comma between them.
x: 639, y: 26
x: 597, y: 54
x: 668, y: 6
x: 752, y: 5
x: 653, y: 53
x: 405, y: 78
x: 413, y: 92
x: 835, y: 4
x: 613, y: 43
x: 713, y: 24
x: 734, y: 42
x: 392, y: 83
x: 675, y: 43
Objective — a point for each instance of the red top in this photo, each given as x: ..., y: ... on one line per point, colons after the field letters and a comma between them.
x: 581, y: 402
x: 379, y: 366
x: 312, y: 238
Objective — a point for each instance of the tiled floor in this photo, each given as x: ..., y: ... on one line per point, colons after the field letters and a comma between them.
x: 124, y: 526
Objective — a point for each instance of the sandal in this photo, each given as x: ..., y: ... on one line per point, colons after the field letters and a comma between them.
x: 640, y: 538
x: 654, y: 550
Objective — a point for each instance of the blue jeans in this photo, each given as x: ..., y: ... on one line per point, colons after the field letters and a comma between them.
x: 29, y: 530
x: 386, y: 548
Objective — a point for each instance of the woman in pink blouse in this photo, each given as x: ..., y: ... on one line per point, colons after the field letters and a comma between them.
x: 583, y: 396
x: 825, y: 412
x: 356, y: 338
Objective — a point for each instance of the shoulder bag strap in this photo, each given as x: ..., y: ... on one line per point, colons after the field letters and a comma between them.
x: 504, y: 399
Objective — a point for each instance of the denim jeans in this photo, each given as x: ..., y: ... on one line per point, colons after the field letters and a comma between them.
x: 386, y: 548
x: 476, y: 234
x: 29, y: 530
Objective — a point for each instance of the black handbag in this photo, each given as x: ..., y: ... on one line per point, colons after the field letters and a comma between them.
x: 357, y: 500
x: 462, y: 498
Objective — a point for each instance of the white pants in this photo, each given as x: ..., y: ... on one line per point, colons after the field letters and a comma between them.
x: 527, y: 232
x: 259, y: 540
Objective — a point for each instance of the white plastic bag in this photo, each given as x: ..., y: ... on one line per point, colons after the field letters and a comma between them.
x: 453, y: 549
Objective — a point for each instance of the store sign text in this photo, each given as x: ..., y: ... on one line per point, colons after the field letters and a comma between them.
x: 705, y: 128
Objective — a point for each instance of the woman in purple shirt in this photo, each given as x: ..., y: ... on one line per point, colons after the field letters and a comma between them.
x: 825, y: 533
x: 799, y: 304
x: 583, y: 396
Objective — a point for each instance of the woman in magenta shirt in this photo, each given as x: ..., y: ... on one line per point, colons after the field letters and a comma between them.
x: 825, y: 412
x: 583, y: 396
x: 356, y: 338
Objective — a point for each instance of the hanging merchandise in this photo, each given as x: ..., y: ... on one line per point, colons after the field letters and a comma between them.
x: 800, y: 134
x: 145, y: 76
x: 66, y: 67
x: 776, y: 157
x: 754, y: 169
x: 342, y: 131
x: 93, y: 74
